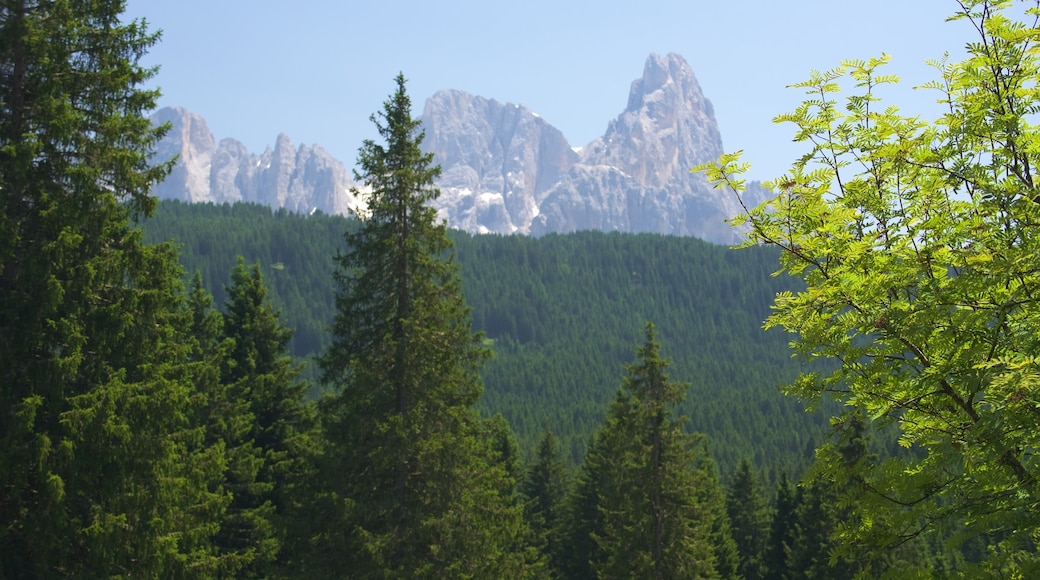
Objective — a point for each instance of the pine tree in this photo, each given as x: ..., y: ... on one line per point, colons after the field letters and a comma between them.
x: 101, y: 472
x: 749, y: 521
x: 652, y: 519
x: 408, y: 464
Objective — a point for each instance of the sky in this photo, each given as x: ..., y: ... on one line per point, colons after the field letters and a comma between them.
x: 317, y: 70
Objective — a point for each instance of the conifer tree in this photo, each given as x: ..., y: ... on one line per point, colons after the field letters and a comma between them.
x: 408, y: 464
x: 653, y: 520
x: 748, y: 521
x: 583, y: 520
x: 545, y: 489
x: 101, y: 473
x: 781, y: 531
x: 265, y: 424
x: 711, y: 494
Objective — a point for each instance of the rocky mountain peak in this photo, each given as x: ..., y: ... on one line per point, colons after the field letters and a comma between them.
x: 301, y: 179
x: 498, y: 160
x: 504, y: 168
x: 665, y: 77
x: 667, y: 127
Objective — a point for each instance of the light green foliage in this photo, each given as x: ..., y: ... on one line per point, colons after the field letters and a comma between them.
x: 918, y: 243
x: 421, y: 483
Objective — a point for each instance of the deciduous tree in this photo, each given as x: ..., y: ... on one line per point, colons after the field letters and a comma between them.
x: 918, y: 244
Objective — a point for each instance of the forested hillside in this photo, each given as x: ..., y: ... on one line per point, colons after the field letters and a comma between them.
x: 562, y: 314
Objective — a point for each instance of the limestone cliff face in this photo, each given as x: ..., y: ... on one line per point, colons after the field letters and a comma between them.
x: 636, y: 177
x: 191, y: 141
x: 498, y: 161
x: 504, y: 169
x: 301, y: 179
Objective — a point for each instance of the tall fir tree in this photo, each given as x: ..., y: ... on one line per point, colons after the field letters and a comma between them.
x: 711, y: 494
x: 749, y: 521
x: 408, y: 464
x: 544, y: 490
x: 651, y: 520
x: 781, y: 531
x: 101, y: 471
x: 264, y: 425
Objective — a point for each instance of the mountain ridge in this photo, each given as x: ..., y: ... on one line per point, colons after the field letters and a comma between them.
x: 505, y: 169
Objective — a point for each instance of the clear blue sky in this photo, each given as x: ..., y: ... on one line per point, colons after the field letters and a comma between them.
x: 317, y: 69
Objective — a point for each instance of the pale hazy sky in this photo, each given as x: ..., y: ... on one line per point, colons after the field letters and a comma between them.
x: 317, y: 69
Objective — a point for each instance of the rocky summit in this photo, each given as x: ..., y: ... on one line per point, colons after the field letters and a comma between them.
x: 302, y: 179
x: 505, y: 169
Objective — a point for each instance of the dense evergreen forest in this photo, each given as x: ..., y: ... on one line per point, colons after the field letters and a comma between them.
x: 562, y: 314
x: 213, y: 392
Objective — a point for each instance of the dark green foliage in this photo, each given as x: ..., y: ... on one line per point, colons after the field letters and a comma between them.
x: 814, y: 536
x: 583, y: 520
x: 781, y: 531
x: 652, y: 520
x: 263, y: 425
x: 749, y: 521
x: 423, y: 490
x: 823, y: 502
x: 101, y: 472
x: 585, y: 294
x: 727, y: 558
x: 544, y: 490
x: 295, y: 253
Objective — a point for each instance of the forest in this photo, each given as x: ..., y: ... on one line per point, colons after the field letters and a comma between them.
x: 230, y: 391
x: 562, y: 315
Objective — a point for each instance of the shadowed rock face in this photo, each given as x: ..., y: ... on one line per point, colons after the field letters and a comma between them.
x: 303, y: 179
x: 505, y: 169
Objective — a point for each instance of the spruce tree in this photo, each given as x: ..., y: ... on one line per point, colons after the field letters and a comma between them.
x: 101, y: 471
x: 748, y: 520
x: 653, y: 520
x: 265, y: 424
x: 418, y: 489
x: 781, y: 531
x: 544, y: 490
x: 711, y: 494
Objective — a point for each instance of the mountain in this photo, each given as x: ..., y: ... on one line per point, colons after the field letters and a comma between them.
x: 300, y: 179
x: 498, y: 161
x: 505, y: 169
x: 636, y: 177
